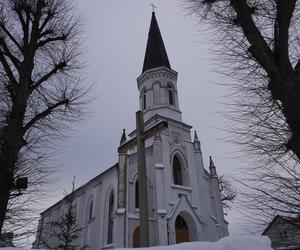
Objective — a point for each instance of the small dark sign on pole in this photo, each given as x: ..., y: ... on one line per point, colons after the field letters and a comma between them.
x: 21, y: 183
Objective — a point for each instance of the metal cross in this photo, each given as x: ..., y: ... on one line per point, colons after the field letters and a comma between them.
x: 153, y: 7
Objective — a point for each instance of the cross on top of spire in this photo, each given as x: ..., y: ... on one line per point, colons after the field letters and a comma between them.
x: 153, y: 7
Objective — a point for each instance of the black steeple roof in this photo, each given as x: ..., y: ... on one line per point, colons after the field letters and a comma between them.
x: 156, y: 54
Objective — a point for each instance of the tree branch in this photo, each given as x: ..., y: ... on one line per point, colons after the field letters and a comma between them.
x: 36, y: 22
x: 52, y: 72
x: 44, y: 113
x: 47, y: 19
x: 25, y: 25
x: 2, y: 26
x: 50, y: 39
x: 258, y: 46
x: 7, y: 69
x: 14, y: 60
x: 284, y: 15
x: 45, y: 33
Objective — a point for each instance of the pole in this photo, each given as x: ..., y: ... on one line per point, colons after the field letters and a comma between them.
x: 142, y: 177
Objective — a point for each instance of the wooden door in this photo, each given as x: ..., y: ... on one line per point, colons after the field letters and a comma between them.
x: 182, y: 231
x: 136, y: 238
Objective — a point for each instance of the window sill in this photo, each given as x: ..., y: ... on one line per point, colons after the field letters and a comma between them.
x: 109, y: 246
x: 181, y: 187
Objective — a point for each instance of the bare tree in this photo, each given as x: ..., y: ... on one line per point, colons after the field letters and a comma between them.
x: 269, y: 191
x: 258, y: 45
x: 228, y: 194
x: 41, y: 92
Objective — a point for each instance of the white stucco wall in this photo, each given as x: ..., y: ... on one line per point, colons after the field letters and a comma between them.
x: 197, y: 200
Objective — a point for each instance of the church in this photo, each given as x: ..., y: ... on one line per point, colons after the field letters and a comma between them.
x: 184, y: 200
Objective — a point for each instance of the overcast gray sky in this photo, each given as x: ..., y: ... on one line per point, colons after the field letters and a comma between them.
x: 115, y: 40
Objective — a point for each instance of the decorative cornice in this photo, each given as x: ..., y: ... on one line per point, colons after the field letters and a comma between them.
x: 157, y: 117
x: 166, y: 106
x: 156, y: 73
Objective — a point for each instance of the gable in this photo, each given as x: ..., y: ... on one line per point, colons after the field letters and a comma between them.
x: 278, y: 222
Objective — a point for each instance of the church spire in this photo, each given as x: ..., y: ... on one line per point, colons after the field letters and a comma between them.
x: 196, y: 143
x: 212, y: 167
x: 156, y: 54
x: 123, y: 137
x: 196, y: 139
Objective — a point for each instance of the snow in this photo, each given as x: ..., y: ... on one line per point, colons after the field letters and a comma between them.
x: 226, y: 243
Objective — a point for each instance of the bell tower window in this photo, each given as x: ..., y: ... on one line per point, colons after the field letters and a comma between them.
x: 171, y: 94
x: 144, y: 99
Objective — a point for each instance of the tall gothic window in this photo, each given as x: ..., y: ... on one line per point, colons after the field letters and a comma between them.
x: 171, y: 94
x: 110, y: 219
x: 74, y: 211
x: 91, y: 211
x: 90, y: 208
x: 177, y: 171
x: 137, y: 199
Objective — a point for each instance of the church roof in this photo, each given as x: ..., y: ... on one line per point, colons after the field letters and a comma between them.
x: 286, y: 220
x: 93, y: 180
x: 156, y: 54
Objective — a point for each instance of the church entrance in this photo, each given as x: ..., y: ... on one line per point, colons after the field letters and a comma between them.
x: 136, y: 238
x: 182, y: 231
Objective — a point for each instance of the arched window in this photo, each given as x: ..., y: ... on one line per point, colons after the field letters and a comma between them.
x: 144, y: 99
x: 171, y: 94
x: 177, y: 171
x: 90, y: 209
x: 156, y: 93
x: 137, y: 199
x: 74, y: 211
x: 110, y: 219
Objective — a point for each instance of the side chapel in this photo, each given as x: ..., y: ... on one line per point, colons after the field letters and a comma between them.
x: 183, y: 197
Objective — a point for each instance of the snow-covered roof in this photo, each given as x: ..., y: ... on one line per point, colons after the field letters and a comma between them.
x: 83, y: 186
x: 288, y: 220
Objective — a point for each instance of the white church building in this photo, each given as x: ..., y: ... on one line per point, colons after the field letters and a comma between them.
x: 183, y: 197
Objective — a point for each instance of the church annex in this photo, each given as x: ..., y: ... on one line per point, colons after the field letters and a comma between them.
x: 183, y: 197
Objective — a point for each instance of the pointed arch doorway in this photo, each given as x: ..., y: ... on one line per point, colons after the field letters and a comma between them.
x: 182, y: 230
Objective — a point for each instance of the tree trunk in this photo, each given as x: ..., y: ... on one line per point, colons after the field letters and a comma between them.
x: 8, y: 159
x: 4, y: 197
x: 291, y: 109
x: 11, y: 144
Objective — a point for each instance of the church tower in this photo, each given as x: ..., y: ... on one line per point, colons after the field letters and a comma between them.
x: 158, y: 82
x: 183, y: 197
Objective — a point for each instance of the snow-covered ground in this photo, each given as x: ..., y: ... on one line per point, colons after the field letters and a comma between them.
x: 227, y: 243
